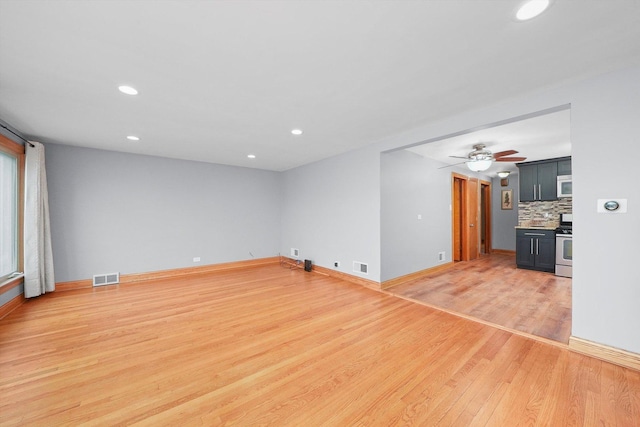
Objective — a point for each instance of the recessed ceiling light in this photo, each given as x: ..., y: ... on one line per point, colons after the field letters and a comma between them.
x: 296, y: 132
x: 133, y: 138
x: 128, y: 90
x: 251, y: 156
x: 531, y: 9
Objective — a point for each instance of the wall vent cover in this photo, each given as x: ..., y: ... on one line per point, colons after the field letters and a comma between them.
x: 106, y: 279
x: 360, y: 267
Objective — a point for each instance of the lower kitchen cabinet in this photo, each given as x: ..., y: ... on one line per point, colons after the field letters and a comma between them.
x: 536, y: 249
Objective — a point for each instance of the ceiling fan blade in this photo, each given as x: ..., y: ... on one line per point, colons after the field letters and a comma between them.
x: 455, y: 164
x: 510, y: 159
x: 460, y: 157
x: 504, y: 153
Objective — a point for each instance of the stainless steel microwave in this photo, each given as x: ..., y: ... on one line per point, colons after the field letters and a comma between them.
x: 564, y: 186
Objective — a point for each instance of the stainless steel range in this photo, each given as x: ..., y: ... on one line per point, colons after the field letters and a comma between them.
x: 564, y: 246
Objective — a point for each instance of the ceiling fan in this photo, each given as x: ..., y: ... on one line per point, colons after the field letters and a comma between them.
x: 480, y: 158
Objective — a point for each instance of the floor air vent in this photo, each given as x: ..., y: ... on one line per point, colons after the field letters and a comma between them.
x: 106, y: 279
x: 360, y: 267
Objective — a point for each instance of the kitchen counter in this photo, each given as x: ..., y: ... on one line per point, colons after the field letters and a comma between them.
x: 531, y: 227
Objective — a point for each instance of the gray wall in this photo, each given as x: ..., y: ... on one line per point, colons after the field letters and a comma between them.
x: 503, y: 222
x: 412, y: 185
x: 11, y: 294
x: 606, y: 145
x: 127, y: 213
x: 331, y: 212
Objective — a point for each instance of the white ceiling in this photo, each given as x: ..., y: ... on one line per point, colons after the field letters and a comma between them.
x: 221, y: 79
x: 543, y: 137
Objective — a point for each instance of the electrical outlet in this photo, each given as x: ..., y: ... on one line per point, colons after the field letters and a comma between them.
x: 336, y: 264
x: 295, y: 252
x: 196, y: 259
x: 441, y: 256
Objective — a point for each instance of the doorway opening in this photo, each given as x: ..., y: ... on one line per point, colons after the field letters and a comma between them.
x: 482, y: 229
x: 471, y: 217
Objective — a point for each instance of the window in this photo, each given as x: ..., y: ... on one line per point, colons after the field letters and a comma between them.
x: 10, y: 216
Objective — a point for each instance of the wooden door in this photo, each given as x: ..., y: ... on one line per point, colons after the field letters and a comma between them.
x: 485, y: 217
x: 457, y: 207
x: 471, y: 212
x: 465, y: 193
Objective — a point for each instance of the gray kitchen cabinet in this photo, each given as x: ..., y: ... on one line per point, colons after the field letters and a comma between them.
x: 538, y: 181
x: 564, y: 167
x: 528, y: 181
x: 536, y: 249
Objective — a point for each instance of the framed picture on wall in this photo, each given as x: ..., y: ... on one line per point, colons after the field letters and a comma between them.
x: 507, y: 199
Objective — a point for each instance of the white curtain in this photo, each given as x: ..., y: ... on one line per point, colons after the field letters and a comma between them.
x: 38, y: 255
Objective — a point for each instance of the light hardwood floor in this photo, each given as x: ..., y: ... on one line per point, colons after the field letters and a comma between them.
x: 273, y: 346
x: 492, y: 289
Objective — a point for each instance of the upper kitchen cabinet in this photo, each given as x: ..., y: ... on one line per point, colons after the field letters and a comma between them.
x: 564, y: 167
x: 538, y: 181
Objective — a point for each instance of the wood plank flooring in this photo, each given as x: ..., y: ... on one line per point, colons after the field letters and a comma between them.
x: 273, y: 346
x: 492, y: 289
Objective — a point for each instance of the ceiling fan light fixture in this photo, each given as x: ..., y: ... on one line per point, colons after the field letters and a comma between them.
x: 503, y: 174
x: 479, y: 165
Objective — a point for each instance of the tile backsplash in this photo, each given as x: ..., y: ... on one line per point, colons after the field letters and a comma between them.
x: 543, y: 214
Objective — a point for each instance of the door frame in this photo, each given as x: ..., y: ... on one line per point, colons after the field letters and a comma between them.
x: 485, y: 195
x: 461, y: 207
x: 458, y: 207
